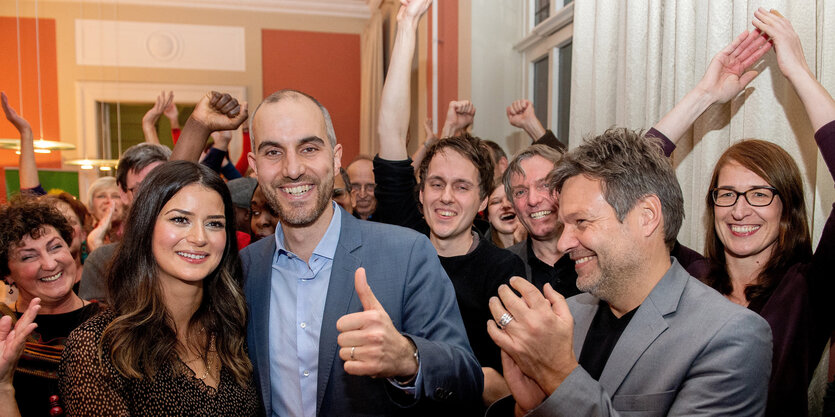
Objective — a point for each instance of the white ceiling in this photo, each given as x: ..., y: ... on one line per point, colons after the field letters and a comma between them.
x: 344, y: 8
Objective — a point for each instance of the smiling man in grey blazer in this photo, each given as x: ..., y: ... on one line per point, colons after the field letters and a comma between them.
x: 347, y: 317
x: 647, y: 339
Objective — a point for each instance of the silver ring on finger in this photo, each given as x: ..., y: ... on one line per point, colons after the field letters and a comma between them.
x: 505, y: 319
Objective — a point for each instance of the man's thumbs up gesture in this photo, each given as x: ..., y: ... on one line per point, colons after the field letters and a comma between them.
x: 370, y: 344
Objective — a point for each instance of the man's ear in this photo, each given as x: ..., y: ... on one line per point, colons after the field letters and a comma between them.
x: 483, y: 204
x: 337, y: 158
x: 250, y: 157
x: 651, y: 215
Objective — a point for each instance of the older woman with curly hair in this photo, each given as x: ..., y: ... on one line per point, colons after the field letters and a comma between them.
x: 35, y: 258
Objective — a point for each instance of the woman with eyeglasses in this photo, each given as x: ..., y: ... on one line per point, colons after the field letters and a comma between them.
x: 758, y: 246
x: 758, y: 243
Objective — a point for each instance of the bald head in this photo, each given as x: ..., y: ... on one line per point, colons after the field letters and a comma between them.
x: 288, y: 95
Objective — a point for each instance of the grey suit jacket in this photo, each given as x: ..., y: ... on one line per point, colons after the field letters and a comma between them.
x: 686, y: 351
x: 404, y: 272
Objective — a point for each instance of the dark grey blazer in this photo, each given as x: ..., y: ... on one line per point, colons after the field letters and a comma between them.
x: 404, y: 272
x: 686, y: 351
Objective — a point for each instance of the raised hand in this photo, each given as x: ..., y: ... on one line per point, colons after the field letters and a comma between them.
x: 395, y: 110
x: 430, y: 135
x: 219, y: 111
x: 11, y: 115
x: 12, y: 340
x: 412, y: 10
x: 370, y: 344
x: 222, y: 139
x: 539, y: 339
x: 726, y: 74
x: 459, y: 116
x: 170, y: 111
x: 149, y: 120
x: 95, y: 239
x: 153, y: 114
x: 27, y: 164
x: 521, y: 114
x: 724, y: 79
x: 526, y: 392
x: 818, y: 102
x: 215, y: 111
x: 786, y: 43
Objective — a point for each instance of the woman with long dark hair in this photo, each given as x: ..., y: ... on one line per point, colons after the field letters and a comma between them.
x: 173, y: 342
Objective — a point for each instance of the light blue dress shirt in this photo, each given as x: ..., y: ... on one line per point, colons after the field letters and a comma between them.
x: 297, y: 302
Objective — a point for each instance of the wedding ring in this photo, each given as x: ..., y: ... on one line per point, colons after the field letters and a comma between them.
x: 505, y: 319
x: 352, y: 352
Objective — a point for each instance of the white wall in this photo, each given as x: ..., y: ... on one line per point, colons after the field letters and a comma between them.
x: 496, y: 70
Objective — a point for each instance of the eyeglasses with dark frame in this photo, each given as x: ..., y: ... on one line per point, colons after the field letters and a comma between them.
x: 756, y: 197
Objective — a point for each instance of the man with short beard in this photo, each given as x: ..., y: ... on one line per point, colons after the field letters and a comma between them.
x: 648, y: 337
x: 316, y: 347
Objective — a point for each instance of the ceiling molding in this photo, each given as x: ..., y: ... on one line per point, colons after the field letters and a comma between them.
x: 337, y: 8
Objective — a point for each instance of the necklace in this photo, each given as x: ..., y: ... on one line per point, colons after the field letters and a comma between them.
x: 83, y: 303
x: 207, y: 358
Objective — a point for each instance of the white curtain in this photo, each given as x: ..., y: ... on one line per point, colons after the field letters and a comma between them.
x: 633, y: 60
x: 371, y: 81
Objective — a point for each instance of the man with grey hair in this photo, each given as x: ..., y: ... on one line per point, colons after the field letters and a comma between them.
x: 647, y: 337
x: 134, y: 165
x: 536, y: 209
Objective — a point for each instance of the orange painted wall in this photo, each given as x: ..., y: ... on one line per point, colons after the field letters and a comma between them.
x: 447, y: 57
x: 324, y: 65
x: 29, y: 74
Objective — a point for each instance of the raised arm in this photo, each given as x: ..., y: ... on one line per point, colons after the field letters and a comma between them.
x: 395, y: 109
x: 215, y: 111
x: 27, y: 165
x: 724, y: 79
x: 149, y: 120
x: 521, y: 114
x: 818, y: 103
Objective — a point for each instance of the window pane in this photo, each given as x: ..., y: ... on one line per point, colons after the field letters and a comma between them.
x: 564, y: 98
x: 541, y: 10
x: 541, y: 90
x: 130, y: 115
